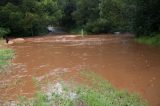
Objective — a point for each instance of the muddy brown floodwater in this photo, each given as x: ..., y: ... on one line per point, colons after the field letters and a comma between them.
x: 126, y: 64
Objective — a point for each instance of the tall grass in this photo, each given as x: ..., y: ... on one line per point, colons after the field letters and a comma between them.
x: 5, y: 58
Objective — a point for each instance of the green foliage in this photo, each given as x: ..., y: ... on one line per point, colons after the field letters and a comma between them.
x: 110, y: 10
x: 3, y: 32
x: 98, y: 26
x: 5, y: 56
x: 146, y: 19
x: 86, y: 11
x: 153, y: 40
x: 102, y: 16
x: 68, y: 7
x: 11, y: 17
x: 31, y: 17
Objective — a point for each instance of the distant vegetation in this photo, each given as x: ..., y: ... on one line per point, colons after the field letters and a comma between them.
x: 31, y: 17
x: 149, y: 40
x: 4, y: 32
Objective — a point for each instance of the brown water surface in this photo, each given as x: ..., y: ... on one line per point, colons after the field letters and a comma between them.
x: 126, y: 64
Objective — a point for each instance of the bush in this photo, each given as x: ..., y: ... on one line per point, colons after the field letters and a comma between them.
x: 99, y: 26
x: 3, y: 32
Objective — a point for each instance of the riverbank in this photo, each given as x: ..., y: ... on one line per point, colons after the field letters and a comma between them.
x: 149, y: 40
x: 99, y: 93
x: 6, y: 55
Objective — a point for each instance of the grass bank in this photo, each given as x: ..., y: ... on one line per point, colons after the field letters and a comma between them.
x: 149, y: 40
x: 100, y: 93
x: 6, y: 54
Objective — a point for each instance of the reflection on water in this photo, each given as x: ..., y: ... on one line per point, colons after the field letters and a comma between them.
x: 119, y: 59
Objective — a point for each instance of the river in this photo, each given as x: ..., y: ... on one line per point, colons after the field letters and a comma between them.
x: 117, y: 58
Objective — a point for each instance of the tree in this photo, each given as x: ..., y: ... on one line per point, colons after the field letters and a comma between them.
x: 68, y: 7
x: 102, y: 16
x: 147, y: 17
x: 29, y: 17
x: 11, y: 17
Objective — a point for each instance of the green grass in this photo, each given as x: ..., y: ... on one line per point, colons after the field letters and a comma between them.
x: 5, y: 57
x: 153, y: 40
x: 100, y: 93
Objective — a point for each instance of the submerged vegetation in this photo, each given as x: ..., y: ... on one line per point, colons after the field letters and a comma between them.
x: 101, y: 93
x: 5, y: 57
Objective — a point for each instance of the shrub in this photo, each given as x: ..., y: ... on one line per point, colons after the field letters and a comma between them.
x: 4, y: 31
x: 99, y: 26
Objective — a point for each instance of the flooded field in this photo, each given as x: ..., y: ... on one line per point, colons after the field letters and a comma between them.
x: 126, y: 64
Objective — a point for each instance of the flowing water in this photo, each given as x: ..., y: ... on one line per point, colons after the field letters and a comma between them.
x: 126, y: 64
